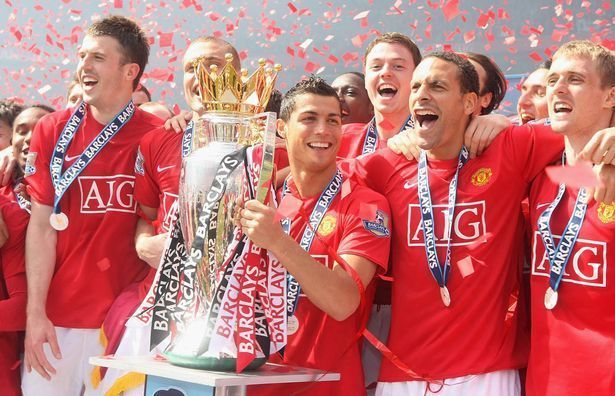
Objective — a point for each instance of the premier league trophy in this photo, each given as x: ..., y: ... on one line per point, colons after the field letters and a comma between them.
x: 221, y: 299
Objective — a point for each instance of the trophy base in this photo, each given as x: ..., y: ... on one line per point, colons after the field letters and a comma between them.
x: 211, y: 363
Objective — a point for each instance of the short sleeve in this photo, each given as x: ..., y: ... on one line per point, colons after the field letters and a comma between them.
x: 12, y: 255
x: 367, y: 227
x: 532, y: 147
x: 147, y: 192
x: 37, y: 174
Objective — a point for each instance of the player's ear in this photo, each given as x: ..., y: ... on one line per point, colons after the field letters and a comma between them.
x: 281, y: 126
x: 470, y: 100
x: 610, y: 98
x: 132, y: 70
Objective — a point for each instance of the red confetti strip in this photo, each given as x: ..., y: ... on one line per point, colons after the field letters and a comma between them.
x: 165, y: 39
x: 451, y: 9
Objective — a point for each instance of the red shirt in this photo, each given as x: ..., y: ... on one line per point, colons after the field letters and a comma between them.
x: 573, y: 345
x: 95, y: 255
x: 12, y: 296
x: 322, y: 342
x: 353, y: 138
x: 474, y: 335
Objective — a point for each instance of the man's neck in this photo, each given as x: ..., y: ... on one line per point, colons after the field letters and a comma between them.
x: 104, y: 114
x: 389, y: 125
x: 448, y: 150
x: 575, y: 141
x: 310, y: 184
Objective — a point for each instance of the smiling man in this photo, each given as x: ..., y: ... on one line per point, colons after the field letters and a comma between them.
x: 573, y: 290
x: 389, y: 62
x: 455, y: 252
x: 81, y: 181
x: 356, y: 106
x: 532, y: 104
x: 345, y: 220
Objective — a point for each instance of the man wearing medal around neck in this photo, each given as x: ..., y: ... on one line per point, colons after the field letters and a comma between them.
x: 573, y: 331
x: 456, y: 241
x: 78, y: 258
x: 345, y: 219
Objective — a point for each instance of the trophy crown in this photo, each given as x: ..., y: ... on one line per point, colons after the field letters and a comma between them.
x: 229, y: 90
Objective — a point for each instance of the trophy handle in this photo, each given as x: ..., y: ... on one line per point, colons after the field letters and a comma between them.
x: 266, y: 174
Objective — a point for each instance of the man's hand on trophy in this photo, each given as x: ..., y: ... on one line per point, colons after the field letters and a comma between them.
x: 258, y: 222
x: 179, y: 122
x: 150, y: 248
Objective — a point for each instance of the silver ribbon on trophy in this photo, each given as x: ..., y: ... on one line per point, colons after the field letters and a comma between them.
x: 219, y: 297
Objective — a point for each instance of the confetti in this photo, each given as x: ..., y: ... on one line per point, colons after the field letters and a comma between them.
x: 577, y: 176
x: 451, y: 9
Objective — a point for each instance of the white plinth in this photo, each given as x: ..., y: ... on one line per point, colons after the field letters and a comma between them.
x: 267, y: 374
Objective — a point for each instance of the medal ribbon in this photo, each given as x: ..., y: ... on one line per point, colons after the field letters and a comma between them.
x: 371, y: 137
x: 560, y: 255
x: 293, y: 289
x: 62, y: 181
x: 439, y: 273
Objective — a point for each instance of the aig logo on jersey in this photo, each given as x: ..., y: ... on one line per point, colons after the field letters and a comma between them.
x: 468, y: 224
x: 100, y: 194
x: 587, y: 265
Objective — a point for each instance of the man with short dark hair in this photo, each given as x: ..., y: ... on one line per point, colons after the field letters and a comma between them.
x: 332, y: 255
x: 456, y: 244
x: 81, y: 180
x: 22, y: 134
x: 356, y: 106
x: 532, y: 104
x: 8, y: 111
x: 389, y: 62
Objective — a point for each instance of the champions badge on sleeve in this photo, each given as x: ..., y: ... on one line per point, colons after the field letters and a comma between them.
x: 218, y: 296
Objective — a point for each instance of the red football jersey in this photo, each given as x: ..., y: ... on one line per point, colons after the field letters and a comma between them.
x: 95, y: 255
x: 573, y: 345
x: 476, y: 334
x: 322, y: 342
x: 157, y: 172
x: 353, y: 139
x: 12, y: 296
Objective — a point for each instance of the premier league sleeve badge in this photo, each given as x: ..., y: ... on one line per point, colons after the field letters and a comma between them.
x: 380, y: 226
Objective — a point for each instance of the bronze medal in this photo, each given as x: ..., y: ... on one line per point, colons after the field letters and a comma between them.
x: 446, y: 296
x: 550, y: 298
x: 59, y: 221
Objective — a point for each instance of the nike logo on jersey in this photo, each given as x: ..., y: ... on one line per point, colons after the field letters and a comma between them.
x: 69, y: 158
x: 161, y: 169
x: 542, y: 205
x: 408, y: 185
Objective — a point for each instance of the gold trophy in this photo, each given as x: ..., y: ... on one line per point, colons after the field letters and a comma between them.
x: 217, y: 169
